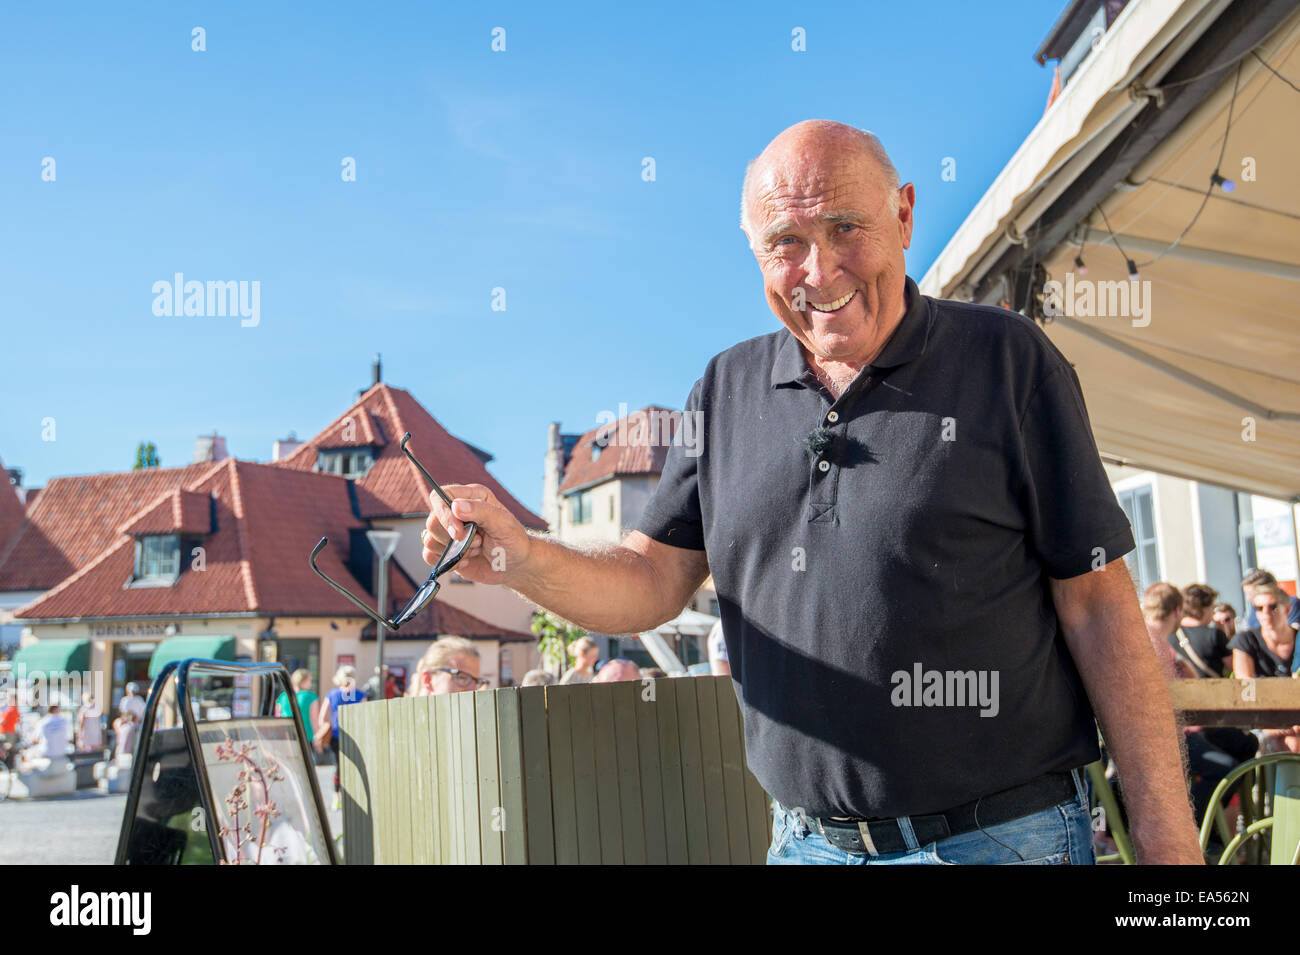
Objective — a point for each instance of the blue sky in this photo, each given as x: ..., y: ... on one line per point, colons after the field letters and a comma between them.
x: 474, y: 170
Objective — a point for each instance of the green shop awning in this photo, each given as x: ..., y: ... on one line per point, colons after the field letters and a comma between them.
x: 54, y: 656
x: 182, y: 648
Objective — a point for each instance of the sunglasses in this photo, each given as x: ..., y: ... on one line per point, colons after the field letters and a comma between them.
x: 451, y: 555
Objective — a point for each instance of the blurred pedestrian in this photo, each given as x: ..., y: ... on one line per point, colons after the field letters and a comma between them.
x: 1268, y: 651
x: 1262, y: 578
x: 618, y: 670
x: 50, y: 737
x: 1161, y: 609
x: 1225, y: 618
x: 719, y: 662
x: 539, y: 678
x: 132, y: 702
x: 90, y: 725
x: 585, y: 653
x: 308, y: 701
x: 1202, y: 647
x: 345, y: 693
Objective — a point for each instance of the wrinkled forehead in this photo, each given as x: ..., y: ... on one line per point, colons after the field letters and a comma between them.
x: 810, y: 183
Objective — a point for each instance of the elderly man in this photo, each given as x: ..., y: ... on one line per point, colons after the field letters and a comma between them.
x: 916, y: 552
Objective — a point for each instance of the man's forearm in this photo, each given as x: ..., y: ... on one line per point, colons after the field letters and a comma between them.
x: 603, y: 588
x: 1131, y: 699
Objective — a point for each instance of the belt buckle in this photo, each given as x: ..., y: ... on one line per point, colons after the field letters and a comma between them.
x: 852, y: 837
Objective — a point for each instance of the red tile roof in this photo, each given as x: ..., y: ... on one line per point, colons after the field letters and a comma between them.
x: 255, y: 559
x: 635, y: 444
x: 176, y: 512
x: 75, y: 518
x: 393, y: 486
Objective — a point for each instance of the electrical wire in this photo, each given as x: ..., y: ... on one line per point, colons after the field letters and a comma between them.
x: 1205, y: 200
x: 1268, y: 67
x: 1236, y: 202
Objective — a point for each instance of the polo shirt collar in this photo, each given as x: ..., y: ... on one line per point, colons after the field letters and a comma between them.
x: 907, y: 342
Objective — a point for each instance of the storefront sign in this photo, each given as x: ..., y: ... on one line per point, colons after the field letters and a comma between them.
x: 133, y: 629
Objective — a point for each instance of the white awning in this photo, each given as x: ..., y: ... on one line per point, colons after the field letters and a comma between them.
x: 1203, y: 379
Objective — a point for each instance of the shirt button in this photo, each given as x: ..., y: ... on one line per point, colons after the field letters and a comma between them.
x: 833, y: 417
x: 823, y: 466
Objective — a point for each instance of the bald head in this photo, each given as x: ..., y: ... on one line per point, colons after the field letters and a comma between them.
x: 846, y: 146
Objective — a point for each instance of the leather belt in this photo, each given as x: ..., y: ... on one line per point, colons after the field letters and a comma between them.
x: 882, y: 836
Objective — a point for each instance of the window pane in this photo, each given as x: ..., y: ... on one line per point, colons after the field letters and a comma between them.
x: 1146, y: 517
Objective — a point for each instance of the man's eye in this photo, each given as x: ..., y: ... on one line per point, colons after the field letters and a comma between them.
x: 786, y: 239
x: 846, y: 226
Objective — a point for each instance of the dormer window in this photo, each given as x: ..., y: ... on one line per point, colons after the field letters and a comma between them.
x: 157, y: 559
x: 350, y: 462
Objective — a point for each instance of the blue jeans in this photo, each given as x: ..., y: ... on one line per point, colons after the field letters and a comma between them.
x: 1061, y: 835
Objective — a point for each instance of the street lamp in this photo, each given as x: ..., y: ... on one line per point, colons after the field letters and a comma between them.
x: 383, y: 542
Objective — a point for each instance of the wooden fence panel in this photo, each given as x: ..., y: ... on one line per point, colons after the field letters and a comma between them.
x: 564, y: 776
x: 632, y: 773
x: 443, y: 717
x: 697, y: 820
x: 652, y: 793
x: 541, y: 839
x: 510, y: 756
x: 736, y: 815
x: 468, y: 749
x: 630, y: 803
x: 676, y: 833
x: 607, y: 795
x: 586, y: 802
x: 489, y: 777
x: 424, y: 800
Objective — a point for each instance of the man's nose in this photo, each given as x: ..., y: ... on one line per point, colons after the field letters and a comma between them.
x: 820, y: 267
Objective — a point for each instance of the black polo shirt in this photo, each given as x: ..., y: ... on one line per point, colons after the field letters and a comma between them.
x: 961, y: 474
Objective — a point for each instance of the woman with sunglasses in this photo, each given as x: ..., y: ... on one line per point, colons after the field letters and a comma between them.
x: 1268, y: 651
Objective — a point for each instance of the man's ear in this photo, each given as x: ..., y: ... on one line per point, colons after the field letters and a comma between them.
x: 906, y: 208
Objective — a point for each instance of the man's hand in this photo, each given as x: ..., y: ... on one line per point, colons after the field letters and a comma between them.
x: 1103, y: 628
x: 629, y: 588
x: 500, y: 546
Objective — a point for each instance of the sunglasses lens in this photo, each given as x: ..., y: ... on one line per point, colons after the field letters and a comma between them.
x: 423, y: 597
x: 457, y: 550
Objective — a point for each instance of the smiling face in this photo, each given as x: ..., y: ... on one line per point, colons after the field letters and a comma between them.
x: 829, y: 229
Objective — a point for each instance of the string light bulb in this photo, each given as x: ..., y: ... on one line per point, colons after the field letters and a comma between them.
x: 1133, y: 275
x: 1079, y: 265
x: 1227, y: 185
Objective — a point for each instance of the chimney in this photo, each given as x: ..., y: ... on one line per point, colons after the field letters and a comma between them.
x: 285, y: 446
x: 552, y: 475
x: 210, y: 448
x: 377, y: 371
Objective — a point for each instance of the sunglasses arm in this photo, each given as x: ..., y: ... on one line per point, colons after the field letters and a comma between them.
x: 342, y: 590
